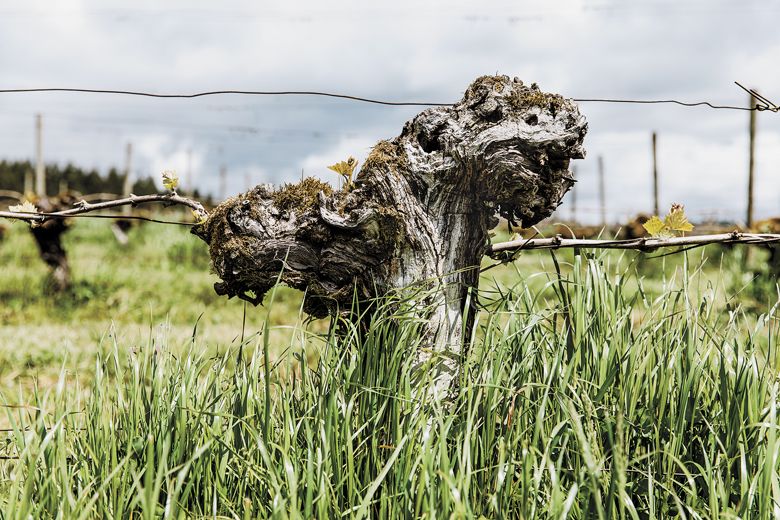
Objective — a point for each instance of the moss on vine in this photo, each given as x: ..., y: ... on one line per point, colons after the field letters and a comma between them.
x: 301, y: 196
x: 535, y: 97
x: 385, y: 155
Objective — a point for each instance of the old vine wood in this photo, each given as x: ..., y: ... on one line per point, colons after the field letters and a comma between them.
x: 417, y: 216
x: 418, y: 213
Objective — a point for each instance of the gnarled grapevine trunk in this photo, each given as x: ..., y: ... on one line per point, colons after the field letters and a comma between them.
x: 48, y: 237
x: 419, y: 212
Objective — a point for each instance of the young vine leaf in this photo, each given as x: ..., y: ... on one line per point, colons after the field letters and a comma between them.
x: 24, y: 207
x: 199, y: 219
x: 170, y: 180
x: 673, y: 224
x: 345, y: 169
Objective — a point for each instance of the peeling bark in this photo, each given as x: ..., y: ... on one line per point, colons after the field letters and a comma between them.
x: 419, y: 213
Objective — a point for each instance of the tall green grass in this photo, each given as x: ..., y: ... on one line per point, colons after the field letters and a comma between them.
x: 598, y: 402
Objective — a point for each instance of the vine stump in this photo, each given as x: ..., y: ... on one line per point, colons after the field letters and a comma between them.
x: 418, y: 213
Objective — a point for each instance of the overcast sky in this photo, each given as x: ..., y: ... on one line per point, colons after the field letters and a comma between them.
x: 401, y: 50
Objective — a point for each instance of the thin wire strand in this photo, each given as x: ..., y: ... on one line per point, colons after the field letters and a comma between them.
x: 759, y: 98
x: 222, y: 92
x: 763, y: 105
x: 119, y: 217
x: 114, y: 217
x: 758, y: 108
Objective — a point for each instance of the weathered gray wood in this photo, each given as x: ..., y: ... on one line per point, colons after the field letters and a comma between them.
x: 751, y: 162
x: 40, y: 168
x: 419, y: 212
x: 656, y: 211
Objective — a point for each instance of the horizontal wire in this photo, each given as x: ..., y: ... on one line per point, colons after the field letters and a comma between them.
x: 50, y: 216
x: 764, y: 105
x: 759, y: 108
x: 221, y: 92
x: 118, y: 217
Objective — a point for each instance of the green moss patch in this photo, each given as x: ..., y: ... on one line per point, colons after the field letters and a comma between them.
x: 495, y: 83
x: 535, y: 97
x: 300, y: 196
x: 385, y: 155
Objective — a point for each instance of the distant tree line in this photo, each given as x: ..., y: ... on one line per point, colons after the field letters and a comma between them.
x: 12, y: 174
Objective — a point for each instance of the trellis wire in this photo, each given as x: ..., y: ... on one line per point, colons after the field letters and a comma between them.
x: 762, y: 103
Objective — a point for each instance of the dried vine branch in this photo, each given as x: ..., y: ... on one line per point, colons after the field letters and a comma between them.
x: 83, y: 206
x: 92, y: 197
x: 502, y: 249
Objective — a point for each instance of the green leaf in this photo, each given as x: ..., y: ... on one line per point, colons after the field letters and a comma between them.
x: 676, y: 219
x: 654, y: 226
x: 675, y: 222
x: 170, y: 179
x: 199, y: 218
x: 345, y: 169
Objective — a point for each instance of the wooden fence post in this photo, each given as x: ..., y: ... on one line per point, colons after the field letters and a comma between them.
x: 127, y: 186
x: 655, y: 175
x: 40, y: 169
x: 751, y: 163
x: 222, y: 182
x: 602, y: 196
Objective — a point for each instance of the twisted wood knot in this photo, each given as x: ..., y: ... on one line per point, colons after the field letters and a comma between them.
x: 420, y: 207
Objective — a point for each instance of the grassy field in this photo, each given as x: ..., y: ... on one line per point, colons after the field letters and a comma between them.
x: 628, y: 387
x: 158, y: 286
